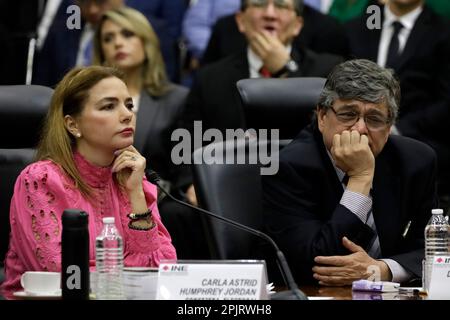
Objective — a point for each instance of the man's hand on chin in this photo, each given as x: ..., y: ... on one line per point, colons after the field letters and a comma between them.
x: 271, y: 50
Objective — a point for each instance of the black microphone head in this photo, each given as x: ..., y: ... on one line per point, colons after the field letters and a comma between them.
x: 153, y: 177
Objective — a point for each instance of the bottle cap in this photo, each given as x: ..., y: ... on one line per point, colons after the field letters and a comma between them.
x: 437, y: 211
x: 108, y: 220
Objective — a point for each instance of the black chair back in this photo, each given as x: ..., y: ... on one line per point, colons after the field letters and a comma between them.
x: 22, y: 110
x: 232, y: 191
x: 286, y: 104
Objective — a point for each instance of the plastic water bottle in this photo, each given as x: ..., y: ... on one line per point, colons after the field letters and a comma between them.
x: 109, y: 262
x: 437, y: 242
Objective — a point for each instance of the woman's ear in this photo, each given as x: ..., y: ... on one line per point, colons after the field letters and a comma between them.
x: 71, y: 125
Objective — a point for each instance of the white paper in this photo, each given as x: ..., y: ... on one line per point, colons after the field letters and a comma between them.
x: 224, y: 280
x: 439, y: 288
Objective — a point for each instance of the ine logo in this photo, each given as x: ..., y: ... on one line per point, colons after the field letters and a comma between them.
x: 374, y: 20
x: 74, y: 20
x: 74, y: 280
x: 177, y: 268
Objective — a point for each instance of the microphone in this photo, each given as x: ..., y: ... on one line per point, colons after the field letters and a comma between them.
x: 294, y: 292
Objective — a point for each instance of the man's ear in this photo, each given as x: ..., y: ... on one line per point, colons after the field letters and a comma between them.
x: 240, y: 21
x: 71, y: 125
x: 320, y: 113
x: 298, y: 26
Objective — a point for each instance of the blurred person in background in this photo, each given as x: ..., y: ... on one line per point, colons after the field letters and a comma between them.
x: 126, y: 40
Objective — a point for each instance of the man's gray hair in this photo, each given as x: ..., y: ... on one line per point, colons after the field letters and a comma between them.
x: 298, y: 6
x: 362, y: 80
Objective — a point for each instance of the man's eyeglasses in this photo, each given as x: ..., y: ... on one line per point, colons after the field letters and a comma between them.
x: 278, y: 4
x: 374, y: 122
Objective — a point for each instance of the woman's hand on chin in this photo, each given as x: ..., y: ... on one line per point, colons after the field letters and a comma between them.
x: 129, y: 166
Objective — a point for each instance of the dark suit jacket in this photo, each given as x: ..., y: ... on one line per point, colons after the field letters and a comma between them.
x: 303, y: 214
x: 320, y: 33
x: 156, y: 120
x: 215, y: 100
x: 424, y: 74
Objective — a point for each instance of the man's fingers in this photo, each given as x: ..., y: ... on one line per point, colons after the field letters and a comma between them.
x: 350, y: 245
x: 258, y: 48
x: 364, y: 139
x: 337, y: 141
x: 331, y: 260
x: 345, y: 138
x: 355, y: 137
x: 259, y: 38
x: 332, y: 280
x: 330, y: 271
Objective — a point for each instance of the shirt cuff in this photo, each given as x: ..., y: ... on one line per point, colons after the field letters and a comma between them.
x: 357, y: 203
x: 399, y: 274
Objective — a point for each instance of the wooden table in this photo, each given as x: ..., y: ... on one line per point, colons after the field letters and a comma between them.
x: 346, y: 293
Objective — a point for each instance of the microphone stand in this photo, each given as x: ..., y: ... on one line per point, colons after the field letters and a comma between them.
x: 294, y: 292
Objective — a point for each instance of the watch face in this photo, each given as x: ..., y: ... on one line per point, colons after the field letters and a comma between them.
x: 292, y: 66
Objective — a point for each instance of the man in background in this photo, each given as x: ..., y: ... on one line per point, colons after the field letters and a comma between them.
x: 415, y: 42
x: 269, y: 28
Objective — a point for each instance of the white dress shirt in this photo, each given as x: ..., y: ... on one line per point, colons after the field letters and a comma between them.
x: 51, y: 8
x: 408, y: 20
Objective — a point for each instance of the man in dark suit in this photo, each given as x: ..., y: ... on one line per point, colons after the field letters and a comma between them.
x: 269, y: 28
x: 320, y: 33
x: 415, y: 42
x: 66, y: 48
x: 350, y: 201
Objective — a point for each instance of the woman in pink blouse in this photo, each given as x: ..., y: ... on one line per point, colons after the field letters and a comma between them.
x: 86, y: 160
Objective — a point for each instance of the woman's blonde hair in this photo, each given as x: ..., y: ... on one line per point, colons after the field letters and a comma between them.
x: 154, y: 71
x: 72, y: 92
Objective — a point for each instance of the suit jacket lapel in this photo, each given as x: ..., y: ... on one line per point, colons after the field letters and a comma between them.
x: 373, y: 43
x: 371, y: 39
x: 385, y: 195
x: 240, y: 66
x: 146, y: 116
x: 240, y: 70
x: 299, y: 56
x: 421, y: 27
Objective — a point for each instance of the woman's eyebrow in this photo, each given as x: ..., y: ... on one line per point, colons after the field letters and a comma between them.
x: 107, y: 99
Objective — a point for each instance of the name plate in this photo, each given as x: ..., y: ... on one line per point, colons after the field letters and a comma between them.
x: 212, y: 280
x: 439, y: 288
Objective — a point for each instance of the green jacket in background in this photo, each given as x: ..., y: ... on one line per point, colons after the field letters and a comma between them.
x: 345, y: 10
x: 441, y: 7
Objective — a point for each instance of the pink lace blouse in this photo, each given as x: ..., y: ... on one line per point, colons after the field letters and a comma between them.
x: 42, y: 192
